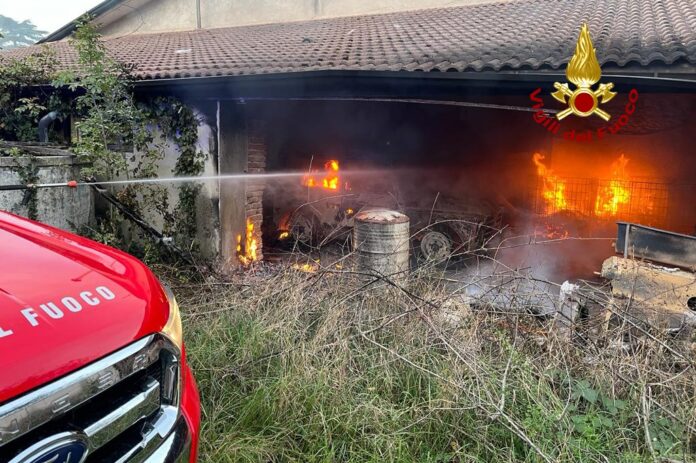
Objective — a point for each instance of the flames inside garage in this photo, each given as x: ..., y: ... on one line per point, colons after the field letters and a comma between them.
x: 476, y: 179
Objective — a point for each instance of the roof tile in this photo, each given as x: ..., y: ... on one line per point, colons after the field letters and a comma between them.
x: 521, y: 34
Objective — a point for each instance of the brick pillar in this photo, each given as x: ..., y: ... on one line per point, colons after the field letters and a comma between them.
x: 241, y: 149
x: 256, y: 164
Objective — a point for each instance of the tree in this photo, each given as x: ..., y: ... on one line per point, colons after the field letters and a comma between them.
x: 18, y: 34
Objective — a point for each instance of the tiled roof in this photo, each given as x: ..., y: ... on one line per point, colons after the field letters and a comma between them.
x: 519, y: 34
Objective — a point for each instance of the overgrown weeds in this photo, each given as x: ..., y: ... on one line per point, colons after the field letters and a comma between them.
x: 329, y: 367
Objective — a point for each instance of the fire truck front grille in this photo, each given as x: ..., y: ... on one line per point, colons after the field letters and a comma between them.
x: 118, y: 409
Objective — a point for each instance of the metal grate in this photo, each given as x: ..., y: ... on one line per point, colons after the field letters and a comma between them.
x: 642, y: 201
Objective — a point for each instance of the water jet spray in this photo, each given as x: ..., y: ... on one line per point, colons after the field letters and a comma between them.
x: 75, y: 183
x: 202, y: 178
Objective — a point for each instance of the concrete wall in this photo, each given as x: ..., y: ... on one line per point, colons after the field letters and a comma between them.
x: 179, y: 15
x: 66, y: 208
x: 151, y: 16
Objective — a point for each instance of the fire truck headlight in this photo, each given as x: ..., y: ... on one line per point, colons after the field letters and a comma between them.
x: 172, y: 329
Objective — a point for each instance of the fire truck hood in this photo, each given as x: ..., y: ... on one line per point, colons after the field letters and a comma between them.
x: 66, y: 301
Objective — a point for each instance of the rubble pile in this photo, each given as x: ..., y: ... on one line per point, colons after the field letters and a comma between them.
x: 653, y: 284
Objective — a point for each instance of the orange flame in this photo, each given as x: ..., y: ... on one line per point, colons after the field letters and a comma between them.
x: 554, y: 189
x: 246, y: 249
x: 612, y: 199
x: 614, y: 194
x: 306, y: 267
x: 330, y: 181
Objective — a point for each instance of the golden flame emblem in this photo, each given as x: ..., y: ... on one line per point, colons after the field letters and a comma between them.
x: 584, y: 71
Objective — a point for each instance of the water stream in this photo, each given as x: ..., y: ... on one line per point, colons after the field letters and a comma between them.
x: 201, y: 178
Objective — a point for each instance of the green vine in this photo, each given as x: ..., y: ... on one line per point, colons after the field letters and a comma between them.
x: 115, y: 135
x: 108, y: 121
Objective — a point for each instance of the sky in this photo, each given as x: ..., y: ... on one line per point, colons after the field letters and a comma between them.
x: 47, y: 15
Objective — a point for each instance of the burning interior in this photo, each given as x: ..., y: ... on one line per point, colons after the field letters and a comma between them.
x: 483, y: 176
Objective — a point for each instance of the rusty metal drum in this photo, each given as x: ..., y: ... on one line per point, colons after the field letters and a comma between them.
x: 381, y: 240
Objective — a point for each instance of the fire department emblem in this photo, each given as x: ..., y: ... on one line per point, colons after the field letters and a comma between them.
x: 583, y: 71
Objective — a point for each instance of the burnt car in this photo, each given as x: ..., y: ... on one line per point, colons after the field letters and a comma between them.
x: 317, y: 213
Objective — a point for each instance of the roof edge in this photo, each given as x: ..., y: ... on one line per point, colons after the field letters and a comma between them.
x: 69, y: 28
x: 515, y: 80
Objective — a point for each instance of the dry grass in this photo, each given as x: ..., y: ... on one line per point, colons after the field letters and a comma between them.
x: 332, y: 366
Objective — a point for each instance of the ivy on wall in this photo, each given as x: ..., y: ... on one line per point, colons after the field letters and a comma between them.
x: 179, y: 124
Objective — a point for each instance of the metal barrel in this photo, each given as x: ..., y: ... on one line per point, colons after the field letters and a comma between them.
x: 381, y: 243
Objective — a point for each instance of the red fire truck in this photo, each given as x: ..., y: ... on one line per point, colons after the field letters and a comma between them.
x: 92, y: 361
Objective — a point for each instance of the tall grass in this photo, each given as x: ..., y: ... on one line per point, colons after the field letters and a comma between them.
x: 327, y: 367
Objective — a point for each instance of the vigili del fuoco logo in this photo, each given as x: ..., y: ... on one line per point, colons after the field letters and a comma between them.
x: 584, y: 72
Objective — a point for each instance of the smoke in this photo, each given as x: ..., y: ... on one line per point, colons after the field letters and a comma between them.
x: 555, y: 249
